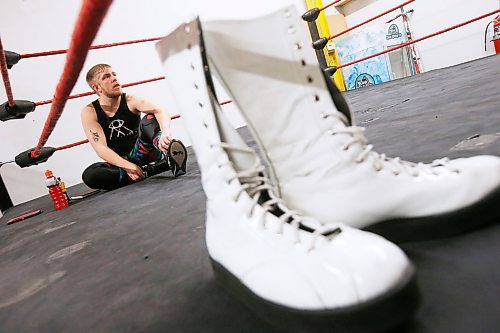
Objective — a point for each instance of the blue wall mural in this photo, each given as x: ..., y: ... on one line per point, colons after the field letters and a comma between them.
x: 362, y: 43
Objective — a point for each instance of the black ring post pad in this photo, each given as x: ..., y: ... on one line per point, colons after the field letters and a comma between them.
x: 311, y: 15
x: 18, y: 111
x: 24, y: 159
x: 12, y: 58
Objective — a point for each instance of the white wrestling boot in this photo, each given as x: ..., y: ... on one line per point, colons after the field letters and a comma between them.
x: 291, y: 270
x: 325, y: 168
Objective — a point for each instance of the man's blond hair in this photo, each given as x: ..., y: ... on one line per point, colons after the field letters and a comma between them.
x: 93, y: 72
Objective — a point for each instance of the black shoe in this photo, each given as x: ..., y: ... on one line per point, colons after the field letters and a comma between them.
x: 154, y: 168
x: 177, y: 157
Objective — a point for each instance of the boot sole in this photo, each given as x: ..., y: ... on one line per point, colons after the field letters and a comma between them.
x: 379, y: 314
x: 178, y: 157
x: 475, y: 216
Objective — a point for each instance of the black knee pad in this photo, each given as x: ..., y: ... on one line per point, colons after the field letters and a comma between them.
x: 149, y: 127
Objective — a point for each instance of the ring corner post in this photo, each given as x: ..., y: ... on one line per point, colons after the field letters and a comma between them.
x: 324, y: 31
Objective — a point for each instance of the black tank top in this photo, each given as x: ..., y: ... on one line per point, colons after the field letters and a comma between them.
x: 122, y: 129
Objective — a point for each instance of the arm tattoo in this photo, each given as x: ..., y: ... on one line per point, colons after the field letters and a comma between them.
x: 95, y: 136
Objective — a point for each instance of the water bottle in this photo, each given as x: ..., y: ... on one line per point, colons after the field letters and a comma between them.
x: 56, y: 193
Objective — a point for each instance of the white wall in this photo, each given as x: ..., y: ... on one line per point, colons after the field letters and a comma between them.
x: 451, y: 48
x: 34, y: 26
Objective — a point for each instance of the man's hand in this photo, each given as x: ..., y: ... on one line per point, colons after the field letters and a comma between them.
x: 164, y: 141
x: 134, y: 172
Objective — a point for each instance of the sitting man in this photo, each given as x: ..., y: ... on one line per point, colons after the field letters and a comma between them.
x: 133, y: 148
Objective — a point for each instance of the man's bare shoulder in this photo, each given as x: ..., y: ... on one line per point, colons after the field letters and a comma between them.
x: 134, y: 99
x: 134, y: 102
x: 130, y: 97
x: 88, y: 111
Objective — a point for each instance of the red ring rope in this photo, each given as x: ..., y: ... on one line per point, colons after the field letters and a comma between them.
x: 72, y: 145
x: 88, y: 93
x: 418, y: 39
x: 131, y: 84
x: 225, y: 102
x: 89, y: 20
x: 329, y: 5
x: 369, y: 20
x: 92, y: 47
x: 5, y: 76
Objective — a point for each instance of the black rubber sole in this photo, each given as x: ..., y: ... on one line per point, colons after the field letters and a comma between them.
x: 379, y: 314
x: 178, y: 157
x: 480, y: 214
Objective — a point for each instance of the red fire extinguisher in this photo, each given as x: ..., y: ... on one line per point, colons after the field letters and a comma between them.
x: 496, y: 34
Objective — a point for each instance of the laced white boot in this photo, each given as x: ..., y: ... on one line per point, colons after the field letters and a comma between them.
x: 325, y: 168
x: 291, y: 270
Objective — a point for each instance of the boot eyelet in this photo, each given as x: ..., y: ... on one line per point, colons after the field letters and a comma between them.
x: 196, y: 86
x: 192, y: 67
x: 298, y: 46
x: 291, y: 29
x: 331, y: 132
x: 189, y: 46
x: 303, y: 63
x: 345, y: 148
x: 310, y: 79
x: 200, y: 104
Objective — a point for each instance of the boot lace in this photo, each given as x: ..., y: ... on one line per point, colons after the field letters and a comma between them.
x: 380, y: 161
x: 254, y: 182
